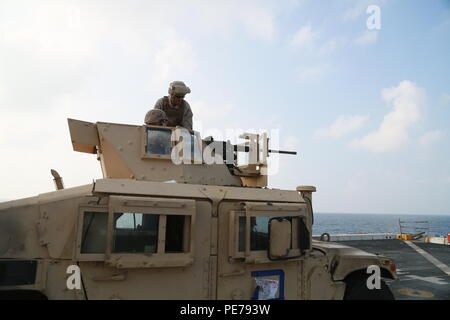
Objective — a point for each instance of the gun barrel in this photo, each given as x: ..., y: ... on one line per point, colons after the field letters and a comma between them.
x: 282, y: 152
x: 242, y: 148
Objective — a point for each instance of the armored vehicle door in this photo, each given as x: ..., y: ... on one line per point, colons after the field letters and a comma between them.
x: 145, y: 248
x: 261, y: 250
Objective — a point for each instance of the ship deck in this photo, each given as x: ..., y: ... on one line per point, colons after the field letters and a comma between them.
x: 423, y: 268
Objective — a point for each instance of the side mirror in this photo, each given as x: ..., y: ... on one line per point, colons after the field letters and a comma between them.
x: 280, y: 236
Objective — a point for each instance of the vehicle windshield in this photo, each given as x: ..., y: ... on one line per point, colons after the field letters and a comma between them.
x: 158, y: 141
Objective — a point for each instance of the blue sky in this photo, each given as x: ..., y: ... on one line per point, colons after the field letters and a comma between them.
x: 367, y: 110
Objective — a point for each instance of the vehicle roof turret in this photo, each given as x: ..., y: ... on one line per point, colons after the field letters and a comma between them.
x: 157, y: 153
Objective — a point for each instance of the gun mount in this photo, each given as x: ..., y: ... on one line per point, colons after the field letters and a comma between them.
x: 155, y: 153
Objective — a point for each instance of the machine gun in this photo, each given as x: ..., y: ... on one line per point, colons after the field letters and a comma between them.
x: 226, y: 148
x: 257, y: 149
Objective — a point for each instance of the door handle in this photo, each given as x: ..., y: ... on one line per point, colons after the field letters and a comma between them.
x: 114, y: 277
x: 233, y: 274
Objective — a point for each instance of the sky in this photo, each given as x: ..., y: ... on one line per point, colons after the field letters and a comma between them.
x: 362, y: 95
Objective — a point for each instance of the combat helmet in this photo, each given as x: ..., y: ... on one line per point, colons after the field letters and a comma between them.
x: 155, y: 117
x: 178, y: 88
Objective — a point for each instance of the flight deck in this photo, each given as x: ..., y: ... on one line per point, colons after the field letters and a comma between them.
x: 422, y: 268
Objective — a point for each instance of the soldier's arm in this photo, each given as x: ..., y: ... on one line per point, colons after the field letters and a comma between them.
x: 159, y: 104
x: 187, y: 117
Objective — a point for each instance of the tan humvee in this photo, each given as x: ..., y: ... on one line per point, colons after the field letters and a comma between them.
x: 153, y: 229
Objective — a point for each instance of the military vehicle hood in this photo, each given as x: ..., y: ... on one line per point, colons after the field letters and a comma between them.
x: 342, y: 258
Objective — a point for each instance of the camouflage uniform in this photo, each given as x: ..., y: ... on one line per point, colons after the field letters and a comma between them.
x: 179, y: 115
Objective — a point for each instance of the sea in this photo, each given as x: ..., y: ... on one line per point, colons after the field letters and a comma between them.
x: 353, y: 223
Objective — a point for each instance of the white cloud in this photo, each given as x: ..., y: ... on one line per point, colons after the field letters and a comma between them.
x: 42, y: 54
x: 445, y: 98
x: 55, y: 48
x: 430, y: 138
x: 49, y: 30
x: 343, y: 125
x: 356, y: 186
x: 310, y: 40
x: 2, y: 93
x: 175, y: 59
x: 35, y: 148
x: 352, y: 13
x: 260, y: 24
x: 367, y: 38
x: 207, y: 112
x: 407, y: 100
x: 290, y: 143
x: 255, y: 18
x: 358, y: 8
x: 314, y: 72
x: 304, y: 38
x: 329, y: 47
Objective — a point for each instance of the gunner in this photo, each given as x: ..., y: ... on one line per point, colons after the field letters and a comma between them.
x: 177, y: 109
